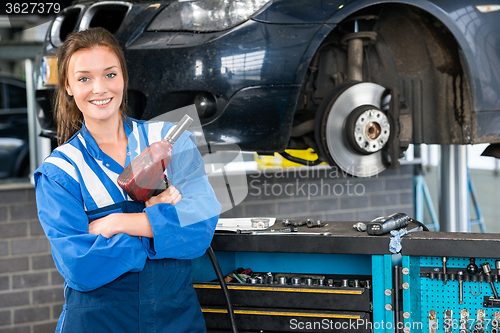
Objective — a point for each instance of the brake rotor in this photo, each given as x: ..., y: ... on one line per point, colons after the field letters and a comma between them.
x: 348, y: 157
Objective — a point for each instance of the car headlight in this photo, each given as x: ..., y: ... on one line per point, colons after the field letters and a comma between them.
x: 204, y: 16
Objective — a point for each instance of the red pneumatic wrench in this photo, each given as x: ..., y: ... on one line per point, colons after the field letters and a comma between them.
x: 141, y: 177
x: 140, y: 180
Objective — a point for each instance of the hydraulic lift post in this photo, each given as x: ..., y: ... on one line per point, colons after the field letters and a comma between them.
x: 453, y: 196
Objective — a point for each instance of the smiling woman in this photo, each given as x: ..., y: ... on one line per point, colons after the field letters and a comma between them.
x: 91, y: 74
x: 110, y: 249
x: 96, y: 83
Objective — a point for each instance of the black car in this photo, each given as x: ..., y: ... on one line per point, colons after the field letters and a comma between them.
x: 14, y: 147
x: 356, y: 80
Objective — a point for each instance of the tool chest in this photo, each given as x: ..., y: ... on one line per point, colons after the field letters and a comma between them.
x: 295, y: 297
x: 317, y: 283
x: 347, y: 281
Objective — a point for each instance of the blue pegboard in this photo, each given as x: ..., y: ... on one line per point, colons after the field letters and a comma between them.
x: 437, y: 296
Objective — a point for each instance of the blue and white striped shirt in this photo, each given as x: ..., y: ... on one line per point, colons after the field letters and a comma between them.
x: 77, y: 184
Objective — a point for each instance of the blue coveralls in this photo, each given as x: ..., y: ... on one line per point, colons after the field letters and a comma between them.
x: 125, y: 283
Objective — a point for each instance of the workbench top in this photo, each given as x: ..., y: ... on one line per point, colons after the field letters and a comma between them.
x: 342, y: 238
x: 452, y: 244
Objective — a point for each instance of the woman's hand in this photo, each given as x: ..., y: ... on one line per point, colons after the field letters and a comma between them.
x: 170, y: 195
x: 106, y: 226
x: 133, y: 224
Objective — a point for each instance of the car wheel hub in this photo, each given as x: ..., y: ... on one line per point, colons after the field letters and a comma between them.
x: 371, y: 131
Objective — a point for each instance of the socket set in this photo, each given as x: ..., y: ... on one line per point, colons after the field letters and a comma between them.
x: 300, y: 280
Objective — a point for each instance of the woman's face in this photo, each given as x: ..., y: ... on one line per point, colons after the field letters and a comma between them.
x: 95, y: 80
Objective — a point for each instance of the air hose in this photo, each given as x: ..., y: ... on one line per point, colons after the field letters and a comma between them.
x: 223, y: 285
x: 300, y: 160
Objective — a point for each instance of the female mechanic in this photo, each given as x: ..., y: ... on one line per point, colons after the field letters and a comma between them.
x: 126, y: 264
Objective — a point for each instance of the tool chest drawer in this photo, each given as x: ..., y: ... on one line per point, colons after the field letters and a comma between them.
x: 288, y: 296
x: 287, y: 292
x: 286, y: 320
x: 287, y: 308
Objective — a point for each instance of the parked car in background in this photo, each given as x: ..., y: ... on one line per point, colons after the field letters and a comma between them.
x: 356, y: 80
x: 14, y: 146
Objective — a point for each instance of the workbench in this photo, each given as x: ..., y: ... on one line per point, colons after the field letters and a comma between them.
x: 362, y: 282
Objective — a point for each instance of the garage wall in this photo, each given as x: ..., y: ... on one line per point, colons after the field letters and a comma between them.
x: 325, y: 194
x: 31, y: 292
x: 487, y: 187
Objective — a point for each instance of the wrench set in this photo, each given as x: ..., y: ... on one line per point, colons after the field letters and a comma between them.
x: 471, y: 273
x: 460, y: 294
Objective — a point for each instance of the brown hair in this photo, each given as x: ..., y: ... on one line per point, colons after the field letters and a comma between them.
x: 69, y: 119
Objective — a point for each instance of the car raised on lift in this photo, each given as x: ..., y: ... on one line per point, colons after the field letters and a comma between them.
x: 355, y: 80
